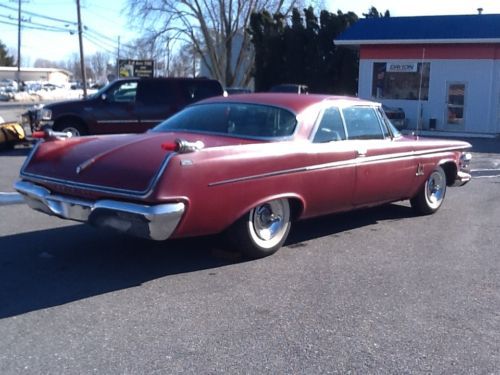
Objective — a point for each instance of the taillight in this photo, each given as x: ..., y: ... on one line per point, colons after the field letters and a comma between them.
x: 182, y: 146
x: 49, y: 135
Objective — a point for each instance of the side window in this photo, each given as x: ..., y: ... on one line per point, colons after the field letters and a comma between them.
x: 362, y: 123
x: 124, y: 93
x: 330, y: 127
x: 156, y: 92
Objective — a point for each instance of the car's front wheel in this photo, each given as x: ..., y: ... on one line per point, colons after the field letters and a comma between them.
x: 263, y: 230
x: 431, y: 196
x: 71, y: 126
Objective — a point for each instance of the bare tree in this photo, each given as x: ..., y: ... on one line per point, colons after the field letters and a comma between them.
x: 211, y: 27
x: 181, y: 64
x: 99, y: 65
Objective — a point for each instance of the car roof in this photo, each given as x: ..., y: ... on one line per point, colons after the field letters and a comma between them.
x: 291, y: 101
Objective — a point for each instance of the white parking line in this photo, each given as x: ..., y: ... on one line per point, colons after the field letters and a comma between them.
x: 486, y: 170
x: 485, y: 173
x: 10, y: 198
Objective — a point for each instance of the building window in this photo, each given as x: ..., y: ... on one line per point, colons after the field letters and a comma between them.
x: 396, y: 80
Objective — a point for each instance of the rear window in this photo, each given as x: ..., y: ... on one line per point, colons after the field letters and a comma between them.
x: 157, y: 92
x: 235, y: 119
x: 197, y: 90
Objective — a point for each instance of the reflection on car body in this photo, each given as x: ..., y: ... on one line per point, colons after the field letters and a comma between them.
x: 247, y: 166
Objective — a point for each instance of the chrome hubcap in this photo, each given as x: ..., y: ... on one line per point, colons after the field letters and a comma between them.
x: 74, y: 131
x: 269, y: 219
x: 435, y: 188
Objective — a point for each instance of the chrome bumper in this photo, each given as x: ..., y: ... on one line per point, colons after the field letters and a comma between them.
x: 462, y: 178
x: 463, y: 175
x: 156, y: 222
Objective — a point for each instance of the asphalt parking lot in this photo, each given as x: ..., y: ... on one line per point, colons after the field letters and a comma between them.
x: 372, y: 291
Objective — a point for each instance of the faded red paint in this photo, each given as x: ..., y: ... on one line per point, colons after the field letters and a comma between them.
x: 228, y: 177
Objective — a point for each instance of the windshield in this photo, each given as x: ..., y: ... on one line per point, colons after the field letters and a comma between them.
x: 99, y: 92
x: 235, y: 119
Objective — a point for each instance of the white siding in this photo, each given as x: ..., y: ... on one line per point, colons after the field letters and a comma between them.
x: 482, y: 101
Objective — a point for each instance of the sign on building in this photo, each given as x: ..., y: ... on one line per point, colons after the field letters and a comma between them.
x: 393, y: 67
x: 136, y: 68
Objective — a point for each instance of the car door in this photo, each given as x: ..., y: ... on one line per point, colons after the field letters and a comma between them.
x: 115, y: 111
x: 332, y: 175
x: 157, y: 100
x: 385, y: 167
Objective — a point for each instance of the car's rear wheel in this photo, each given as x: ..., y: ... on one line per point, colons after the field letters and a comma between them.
x: 71, y: 126
x: 431, y: 196
x: 263, y: 230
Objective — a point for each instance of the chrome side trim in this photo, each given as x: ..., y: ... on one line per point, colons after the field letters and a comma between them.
x: 125, y: 193
x: 156, y: 222
x: 153, y: 120
x: 118, y: 122
x: 338, y: 164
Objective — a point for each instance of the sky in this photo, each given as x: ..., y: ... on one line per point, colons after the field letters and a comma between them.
x: 105, y: 21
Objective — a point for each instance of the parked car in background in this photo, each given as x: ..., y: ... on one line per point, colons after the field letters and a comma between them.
x: 396, y: 115
x: 291, y: 88
x: 131, y: 105
x: 246, y: 165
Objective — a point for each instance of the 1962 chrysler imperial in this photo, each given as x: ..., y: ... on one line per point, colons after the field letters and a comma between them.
x: 247, y: 165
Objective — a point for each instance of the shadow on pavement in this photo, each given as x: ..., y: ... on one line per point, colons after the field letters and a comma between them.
x: 56, y: 266
x: 52, y: 267
x: 19, y: 150
x: 331, y: 225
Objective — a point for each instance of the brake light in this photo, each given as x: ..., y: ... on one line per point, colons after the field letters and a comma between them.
x: 49, y: 135
x: 182, y: 146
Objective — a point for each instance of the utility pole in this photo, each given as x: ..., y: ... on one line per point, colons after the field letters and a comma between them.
x: 118, y: 59
x: 18, y: 74
x: 82, y: 58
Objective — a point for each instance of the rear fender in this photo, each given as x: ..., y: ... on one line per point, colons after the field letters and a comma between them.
x: 297, y: 204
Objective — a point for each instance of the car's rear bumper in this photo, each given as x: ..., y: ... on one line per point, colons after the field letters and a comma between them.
x: 156, y: 222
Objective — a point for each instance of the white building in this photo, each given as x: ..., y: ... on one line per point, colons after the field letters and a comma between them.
x: 444, y: 71
x: 52, y: 75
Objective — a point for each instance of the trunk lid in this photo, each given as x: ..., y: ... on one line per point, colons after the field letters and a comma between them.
x: 128, y: 162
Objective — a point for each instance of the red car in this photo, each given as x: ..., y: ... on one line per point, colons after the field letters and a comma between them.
x: 248, y: 165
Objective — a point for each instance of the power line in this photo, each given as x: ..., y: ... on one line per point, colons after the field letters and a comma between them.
x: 38, y: 15
x: 98, y: 44
x: 100, y: 36
x: 41, y: 25
x: 35, y: 27
x: 101, y: 43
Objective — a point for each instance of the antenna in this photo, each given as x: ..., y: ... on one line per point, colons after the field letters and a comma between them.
x: 419, y: 107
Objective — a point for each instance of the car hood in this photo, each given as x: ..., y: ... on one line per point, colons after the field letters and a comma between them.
x: 61, y: 105
x: 124, y: 163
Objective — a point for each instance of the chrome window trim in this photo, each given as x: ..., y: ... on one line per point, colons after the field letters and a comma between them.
x: 381, y: 126
x: 318, y: 120
x: 298, y: 123
x: 229, y: 135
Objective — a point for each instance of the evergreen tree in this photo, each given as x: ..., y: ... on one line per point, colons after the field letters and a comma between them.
x: 303, y: 52
x: 5, y: 59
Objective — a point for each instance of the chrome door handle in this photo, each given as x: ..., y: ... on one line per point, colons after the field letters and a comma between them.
x: 360, y: 153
